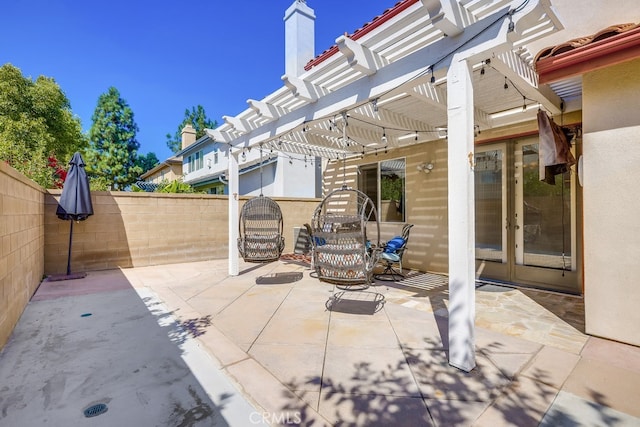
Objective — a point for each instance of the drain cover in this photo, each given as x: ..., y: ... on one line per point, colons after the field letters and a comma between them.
x: 95, y: 410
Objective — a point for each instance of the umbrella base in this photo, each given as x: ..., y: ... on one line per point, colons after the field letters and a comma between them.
x: 58, y: 277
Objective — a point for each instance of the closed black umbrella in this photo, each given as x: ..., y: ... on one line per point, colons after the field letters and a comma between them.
x: 75, y: 201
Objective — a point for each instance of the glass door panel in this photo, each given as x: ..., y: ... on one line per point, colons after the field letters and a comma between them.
x: 546, y: 238
x: 525, y: 228
x: 490, y: 207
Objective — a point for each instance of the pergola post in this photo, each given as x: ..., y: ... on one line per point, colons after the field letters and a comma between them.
x: 234, y: 187
x: 461, y: 209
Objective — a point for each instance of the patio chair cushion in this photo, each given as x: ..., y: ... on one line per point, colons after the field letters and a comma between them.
x: 392, y: 257
x: 394, y: 244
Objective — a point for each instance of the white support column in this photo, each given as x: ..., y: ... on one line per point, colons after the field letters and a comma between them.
x: 234, y: 188
x: 461, y: 216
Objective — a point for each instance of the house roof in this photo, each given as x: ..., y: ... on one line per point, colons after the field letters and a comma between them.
x: 175, y: 160
x: 220, y: 175
x: 611, y: 45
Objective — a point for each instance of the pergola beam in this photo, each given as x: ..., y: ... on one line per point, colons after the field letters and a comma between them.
x: 447, y: 16
x: 359, y: 57
x: 263, y: 109
x: 238, y: 124
x: 300, y: 88
x: 219, y: 136
x: 525, y: 78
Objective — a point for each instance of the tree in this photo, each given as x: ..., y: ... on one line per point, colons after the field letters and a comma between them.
x: 147, y: 162
x: 38, y: 131
x: 113, y: 148
x: 197, y: 117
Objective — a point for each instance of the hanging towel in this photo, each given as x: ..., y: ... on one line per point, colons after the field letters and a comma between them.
x: 554, y: 150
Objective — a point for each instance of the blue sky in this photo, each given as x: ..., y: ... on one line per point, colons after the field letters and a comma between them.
x: 164, y: 56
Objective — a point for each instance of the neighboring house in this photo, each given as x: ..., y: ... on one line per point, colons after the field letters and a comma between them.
x: 262, y: 171
x: 431, y: 109
x: 169, y: 170
x: 204, y: 163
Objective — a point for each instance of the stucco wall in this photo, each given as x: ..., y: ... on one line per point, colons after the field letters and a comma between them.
x: 168, y: 173
x: 21, y: 245
x: 425, y: 206
x: 611, y: 102
x: 141, y: 229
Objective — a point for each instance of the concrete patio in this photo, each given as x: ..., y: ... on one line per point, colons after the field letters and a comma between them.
x: 186, y: 344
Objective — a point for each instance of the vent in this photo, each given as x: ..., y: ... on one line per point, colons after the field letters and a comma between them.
x: 95, y: 410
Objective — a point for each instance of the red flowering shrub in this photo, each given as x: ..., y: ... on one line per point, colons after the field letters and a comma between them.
x: 59, y: 173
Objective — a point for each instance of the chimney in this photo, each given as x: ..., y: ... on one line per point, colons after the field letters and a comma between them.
x: 299, y: 37
x: 188, y: 136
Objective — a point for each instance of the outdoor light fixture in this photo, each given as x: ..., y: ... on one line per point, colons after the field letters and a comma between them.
x: 425, y: 167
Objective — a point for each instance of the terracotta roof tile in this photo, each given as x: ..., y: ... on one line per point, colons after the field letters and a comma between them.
x: 366, y: 28
x: 584, y: 41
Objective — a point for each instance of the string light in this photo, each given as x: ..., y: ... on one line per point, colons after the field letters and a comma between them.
x: 430, y: 69
x: 348, y: 142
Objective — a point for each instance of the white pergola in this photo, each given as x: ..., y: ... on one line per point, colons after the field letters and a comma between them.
x: 422, y: 70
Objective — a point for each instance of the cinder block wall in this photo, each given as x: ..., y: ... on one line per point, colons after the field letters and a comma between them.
x: 21, y: 245
x: 142, y: 229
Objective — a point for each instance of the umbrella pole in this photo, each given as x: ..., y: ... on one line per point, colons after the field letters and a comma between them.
x: 69, y: 257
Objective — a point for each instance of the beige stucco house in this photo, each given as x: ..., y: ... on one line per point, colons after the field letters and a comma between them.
x: 171, y: 169
x: 168, y: 170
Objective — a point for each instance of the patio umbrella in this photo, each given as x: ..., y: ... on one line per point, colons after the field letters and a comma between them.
x: 75, y: 201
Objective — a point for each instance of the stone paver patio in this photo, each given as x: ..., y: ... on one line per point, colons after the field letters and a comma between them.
x: 306, y: 352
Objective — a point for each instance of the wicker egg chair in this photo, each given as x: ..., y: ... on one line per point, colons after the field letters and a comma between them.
x: 261, y: 226
x: 343, y: 253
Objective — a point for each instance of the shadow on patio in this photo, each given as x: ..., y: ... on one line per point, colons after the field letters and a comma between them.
x: 98, y: 341
x: 173, y: 344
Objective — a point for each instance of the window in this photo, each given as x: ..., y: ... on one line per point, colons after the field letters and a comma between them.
x: 384, y: 183
x: 215, y: 157
x: 195, y: 162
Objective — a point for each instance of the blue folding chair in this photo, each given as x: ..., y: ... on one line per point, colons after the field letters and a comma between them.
x: 391, y: 256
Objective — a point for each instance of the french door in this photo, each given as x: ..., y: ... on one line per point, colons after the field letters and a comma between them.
x: 525, y: 228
